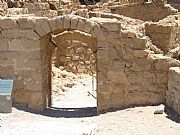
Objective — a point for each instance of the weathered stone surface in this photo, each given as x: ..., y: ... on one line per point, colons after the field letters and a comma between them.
x: 129, y: 71
x: 173, y: 93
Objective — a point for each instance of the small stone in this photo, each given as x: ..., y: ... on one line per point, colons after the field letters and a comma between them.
x: 159, y: 110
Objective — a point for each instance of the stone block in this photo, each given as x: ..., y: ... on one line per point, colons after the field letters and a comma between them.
x: 7, y: 58
x: 8, y: 22
x: 24, y: 45
x: 173, y: 93
x: 26, y: 22
x: 21, y: 96
x: 140, y: 53
x: 34, y: 64
x: 59, y: 21
x: 37, y: 101
x: 10, y: 33
x: 66, y: 22
x: 28, y: 34
x: 34, y: 86
x: 4, y: 45
x: 7, y: 72
x: 53, y: 24
x: 81, y: 25
x: 88, y: 26
x: 19, y: 85
x: 116, y: 76
x: 74, y: 22
x: 139, y: 44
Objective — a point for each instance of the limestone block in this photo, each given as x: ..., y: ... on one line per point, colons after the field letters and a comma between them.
x: 34, y: 63
x: 117, y: 65
x: 59, y: 21
x: 24, y: 45
x: 20, y: 61
x: 138, y: 43
x: 37, y: 101
x: 7, y: 72
x: 162, y: 78
x: 31, y: 75
x: 66, y: 22
x: 4, y: 45
x: 39, y: 31
x: 139, y: 53
x: 88, y: 26
x: 74, y: 22
x: 17, y: 11
x: 21, y: 96
x: 19, y: 85
x: 33, y: 86
x: 53, y: 25
x: 10, y: 33
x: 118, y: 100
x: 131, y: 34
x: 7, y: 58
x: 45, y: 27
x: 109, y: 24
x: 42, y: 26
x: 173, y: 93
x: 81, y: 25
x: 8, y: 22
x: 28, y: 34
x: 97, y: 33
x: 116, y: 76
x: 135, y: 77
x: 26, y: 22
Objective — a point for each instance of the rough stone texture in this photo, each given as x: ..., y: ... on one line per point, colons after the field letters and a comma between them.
x: 40, y: 9
x: 164, y: 35
x: 128, y: 72
x: 173, y: 93
x: 147, y: 11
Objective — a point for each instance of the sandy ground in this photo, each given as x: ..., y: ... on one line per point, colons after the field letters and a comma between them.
x: 74, y: 113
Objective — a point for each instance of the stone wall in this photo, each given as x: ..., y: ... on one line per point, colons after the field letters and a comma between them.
x: 40, y: 9
x: 128, y: 73
x: 173, y: 93
x: 164, y: 34
x: 164, y: 37
x: 146, y: 12
x: 77, y: 57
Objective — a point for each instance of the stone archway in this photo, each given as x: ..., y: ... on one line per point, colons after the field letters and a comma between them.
x: 61, y: 29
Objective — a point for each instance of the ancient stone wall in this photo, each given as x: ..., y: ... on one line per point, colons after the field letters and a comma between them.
x: 165, y: 37
x: 40, y: 9
x: 78, y: 57
x: 173, y: 93
x: 128, y: 73
x: 146, y: 12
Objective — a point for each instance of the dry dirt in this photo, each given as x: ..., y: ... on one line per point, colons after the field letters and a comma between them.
x: 74, y: 113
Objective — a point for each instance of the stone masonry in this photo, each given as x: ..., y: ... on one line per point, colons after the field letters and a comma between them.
x: 136, y: 62
x: 173, y: 93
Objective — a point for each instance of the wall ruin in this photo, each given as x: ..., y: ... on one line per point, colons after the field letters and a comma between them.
x: 128, y: 72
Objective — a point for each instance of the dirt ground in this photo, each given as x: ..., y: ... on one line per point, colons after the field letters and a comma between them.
x: 73, y: 112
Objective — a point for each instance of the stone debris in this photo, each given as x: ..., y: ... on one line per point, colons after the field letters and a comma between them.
x: 159, y: 109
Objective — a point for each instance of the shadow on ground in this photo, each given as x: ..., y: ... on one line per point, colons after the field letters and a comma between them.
x: 64, y: 112
x: 172, y: 115
x: 70, y: 112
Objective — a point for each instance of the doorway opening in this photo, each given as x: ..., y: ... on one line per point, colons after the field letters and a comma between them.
x: 73, y: 76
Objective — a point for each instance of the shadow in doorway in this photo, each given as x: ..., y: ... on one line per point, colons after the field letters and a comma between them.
x: 70, y: 112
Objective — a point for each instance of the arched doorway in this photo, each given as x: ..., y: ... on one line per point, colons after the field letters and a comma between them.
x: 62, y: 38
